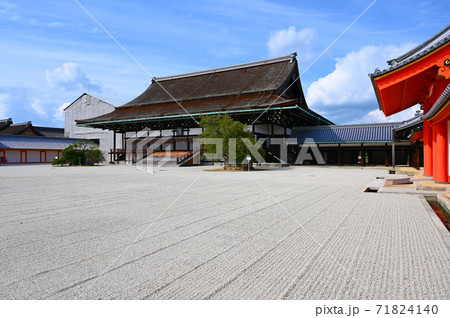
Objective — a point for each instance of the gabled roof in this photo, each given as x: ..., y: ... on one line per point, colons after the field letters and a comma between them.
x: 249, y: 78
x: 350, y: 134
x: 238, y: 88
x: 109, y: 100
x: 410, y: 123
x: 411, y: 78
x: 4, y: 123
x: 28, y: 129
x: 50, y: 131
x: 20, y: 129
x: 435, y: 42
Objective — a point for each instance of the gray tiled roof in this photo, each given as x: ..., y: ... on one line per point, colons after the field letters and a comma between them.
x: 4, y: 123
x: 34, y: 142
x: 50, y: 131
x: 423, y: 49
x: 345, y: 133
x: 441, y: 101
x: 416, y: 120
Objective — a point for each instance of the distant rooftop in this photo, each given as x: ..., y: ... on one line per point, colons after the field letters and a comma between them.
x: 335, y: 134
x: 109, y: 100
x: 7, y: 127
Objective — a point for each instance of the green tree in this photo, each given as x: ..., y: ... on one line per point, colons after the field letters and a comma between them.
x: 83, y: 152
x: 230, y: 131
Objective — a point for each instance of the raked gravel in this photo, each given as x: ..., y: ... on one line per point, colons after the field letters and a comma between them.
x: 114, y: 232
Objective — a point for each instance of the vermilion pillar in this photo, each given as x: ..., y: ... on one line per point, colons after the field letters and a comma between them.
x: 435, y: 152
x: 441, y: 153
x: 427, y: 149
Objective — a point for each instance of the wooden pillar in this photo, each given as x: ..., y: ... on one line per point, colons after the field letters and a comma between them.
x: 363, y: 156
x: 45, y: 155
x: 174, y: 143
x: 114, y: 157
x: 393, y: 155
x: 441, y: 153
x: 188, y: 146
x: 434, y: 151
x: 427, y: 149
x: 339, y: 155
x: 417, y: 150
x: 408, y: 159
x: 318, y: 149
x: 386, y: 155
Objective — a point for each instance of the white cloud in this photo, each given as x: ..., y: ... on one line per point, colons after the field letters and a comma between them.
x: 348, y: 84
x: 9, y: 11
x: 70, y: 77
x: 36, y: 23
x: 290, y: 40
x: 377, y: 116
x: 3, y: 105
x: 37, y: 106
x: 58, y: 112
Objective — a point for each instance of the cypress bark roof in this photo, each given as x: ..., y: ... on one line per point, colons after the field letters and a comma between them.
x: 240, y: 87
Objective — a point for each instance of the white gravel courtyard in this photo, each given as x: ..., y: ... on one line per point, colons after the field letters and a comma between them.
x: 114, y: 232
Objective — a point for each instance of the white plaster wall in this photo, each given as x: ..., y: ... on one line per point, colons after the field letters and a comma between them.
x: 33, y: 156
x: 51, y: 155
x: 195, y: 131
x: 86, y: 107
x: 12, y: 156
x: 167, y: 132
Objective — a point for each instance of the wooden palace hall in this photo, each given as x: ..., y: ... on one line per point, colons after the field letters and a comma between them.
x: 422, y: 76
x: 265, y: 95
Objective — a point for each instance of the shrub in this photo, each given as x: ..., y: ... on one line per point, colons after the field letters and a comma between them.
x: 57, y: 162
x: 80, y: 153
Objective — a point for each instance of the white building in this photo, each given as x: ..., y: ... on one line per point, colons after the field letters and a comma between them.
x: 88, y: 106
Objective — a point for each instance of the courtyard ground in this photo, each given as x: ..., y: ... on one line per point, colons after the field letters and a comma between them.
x: 114, y: 232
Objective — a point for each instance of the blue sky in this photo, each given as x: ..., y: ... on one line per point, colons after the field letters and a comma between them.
x: 52, y: 51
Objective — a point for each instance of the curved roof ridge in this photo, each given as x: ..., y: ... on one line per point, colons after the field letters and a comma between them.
x: 350, y: 125
x: 444, y: 33
x: 435, y: 42
x: 291, y: 57
x: 441, y: 101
